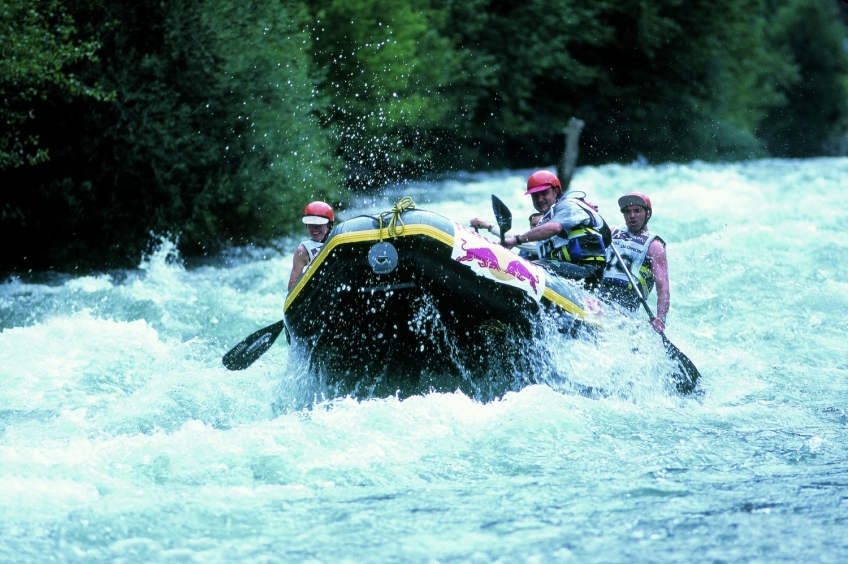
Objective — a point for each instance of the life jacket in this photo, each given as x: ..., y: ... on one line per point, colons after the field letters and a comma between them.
x: 312, y: 248
x: 583, y: 244
x: 634, y: 252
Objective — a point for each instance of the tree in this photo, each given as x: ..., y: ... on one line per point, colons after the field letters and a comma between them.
x: 38, y: 44
x: 811, y: 36
x: 385, y: 67
x: 212, y: 136
x: 668, y: 79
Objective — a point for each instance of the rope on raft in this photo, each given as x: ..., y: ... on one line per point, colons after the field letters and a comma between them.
x: 401, y: 206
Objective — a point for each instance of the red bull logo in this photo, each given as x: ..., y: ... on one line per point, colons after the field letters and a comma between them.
x: 522, y: 273
x: 593, y: 305
x: 485, y: 257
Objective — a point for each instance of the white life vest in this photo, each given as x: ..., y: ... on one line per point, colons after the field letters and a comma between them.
x: 634, y: 252
x: 312, y: 249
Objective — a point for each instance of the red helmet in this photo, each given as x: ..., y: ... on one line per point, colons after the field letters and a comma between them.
x: 634, y: 199
x: 318, y: 213
x: 542, y: 180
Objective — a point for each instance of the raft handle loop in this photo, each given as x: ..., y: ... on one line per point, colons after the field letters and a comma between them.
x: 401, y: 206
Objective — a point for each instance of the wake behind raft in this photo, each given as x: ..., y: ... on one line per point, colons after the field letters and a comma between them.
x: 409, y: 301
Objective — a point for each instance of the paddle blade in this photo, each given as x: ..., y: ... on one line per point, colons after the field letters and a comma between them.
x: 686, y: 380
x: 250, y: 349
x: 503, y: 216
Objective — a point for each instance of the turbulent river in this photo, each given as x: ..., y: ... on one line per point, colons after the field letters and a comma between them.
x: 123, y: 438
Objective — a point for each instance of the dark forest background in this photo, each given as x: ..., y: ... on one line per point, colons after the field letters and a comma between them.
x: 216, y: 121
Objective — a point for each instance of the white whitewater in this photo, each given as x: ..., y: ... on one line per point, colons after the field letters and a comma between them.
x: 123, y: 439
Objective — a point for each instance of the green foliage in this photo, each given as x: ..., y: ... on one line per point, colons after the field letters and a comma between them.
x: 385, y: 66
x: 810, y: 34
x: 38, y: 42
x: 513, y: 96
x: 669, y: 79
x: 216, y: 120
x: 212, y: 136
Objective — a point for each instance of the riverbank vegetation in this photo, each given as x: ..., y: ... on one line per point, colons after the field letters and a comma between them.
x: 217, y: 121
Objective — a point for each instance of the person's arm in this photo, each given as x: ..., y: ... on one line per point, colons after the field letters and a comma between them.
x: 538, y: 233
x: 495, y: 230
x: 566, y: 216
x: 659, y: 266
x: 301, y: 259
x: 529, y: 247
x: 483, y: 224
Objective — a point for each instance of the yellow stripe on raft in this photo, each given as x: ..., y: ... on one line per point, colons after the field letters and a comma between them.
x: 362, y: 237
x: 408, y: 231
x: 567, y: 305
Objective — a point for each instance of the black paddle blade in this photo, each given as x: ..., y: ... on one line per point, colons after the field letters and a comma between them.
x: 249, y: 350
x: 503, y: 216
x: 687, y: 380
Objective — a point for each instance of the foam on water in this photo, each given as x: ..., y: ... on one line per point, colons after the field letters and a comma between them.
x: 123, y: 439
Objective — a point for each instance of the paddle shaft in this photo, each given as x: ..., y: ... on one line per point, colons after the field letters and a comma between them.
x: 691, y: 371
x: 636, y: 287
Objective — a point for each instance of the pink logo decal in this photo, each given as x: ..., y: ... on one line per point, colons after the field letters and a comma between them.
x: 522, y: 273
x: 486, y: 257
x: 593, y: 305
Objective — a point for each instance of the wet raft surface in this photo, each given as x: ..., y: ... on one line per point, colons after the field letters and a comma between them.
x: 431, y: 321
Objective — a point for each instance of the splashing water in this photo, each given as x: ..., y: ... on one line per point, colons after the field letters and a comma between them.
x: 123, y: 439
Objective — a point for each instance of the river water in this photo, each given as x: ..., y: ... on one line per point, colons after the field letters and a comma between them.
x: 123, y: 439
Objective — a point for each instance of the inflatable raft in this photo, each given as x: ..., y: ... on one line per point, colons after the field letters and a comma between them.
x: 409, y: 301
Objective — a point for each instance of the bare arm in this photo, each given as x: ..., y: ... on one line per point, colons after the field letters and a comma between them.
x: 483, y: 224
x: 301, y: 259
x: 538, y: 233
x: 659, y: 266
x: 480, y: 223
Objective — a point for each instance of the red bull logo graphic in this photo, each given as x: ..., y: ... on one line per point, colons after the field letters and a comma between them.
x: 518, y: 270
x: 593, y: 305
x: 486, y: 258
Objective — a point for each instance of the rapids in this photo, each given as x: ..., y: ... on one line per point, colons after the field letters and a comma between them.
x: 123, y: 439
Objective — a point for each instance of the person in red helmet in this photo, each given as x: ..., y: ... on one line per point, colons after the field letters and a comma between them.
x: 644, y: 255
x: 571, y: 236
x: 319, y: 219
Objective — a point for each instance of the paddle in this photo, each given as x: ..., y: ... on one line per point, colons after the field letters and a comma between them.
x: 687, y: 381
x: 251, y: 348
x: 503, y: 216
